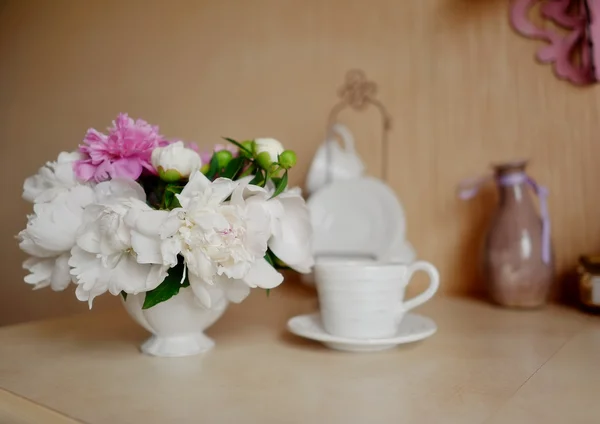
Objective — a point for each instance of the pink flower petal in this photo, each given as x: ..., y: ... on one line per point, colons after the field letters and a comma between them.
x: 103, y: 172
x: 124, y: 153
x: 148, y: 167
x: 126, y: 168
x: 84, y: 170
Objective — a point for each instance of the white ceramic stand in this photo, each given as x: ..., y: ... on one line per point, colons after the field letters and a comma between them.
x: 177, y: 346
x: 177, y: 325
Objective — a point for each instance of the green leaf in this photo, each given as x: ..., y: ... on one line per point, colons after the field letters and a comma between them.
x: 154, y: 188
x: 281, y: 185
x: 258, y: 178
x: 168, y: 288
x: 268, y: 176
x: 274, y: 261
x: 170, y: 201
x: 238, y: 145
x: 214, y: 167
x: 124, y: 295
x: 233, y: 167
x: 269, y: 259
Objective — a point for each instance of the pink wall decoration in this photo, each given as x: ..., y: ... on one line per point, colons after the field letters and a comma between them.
x: 571, y: 31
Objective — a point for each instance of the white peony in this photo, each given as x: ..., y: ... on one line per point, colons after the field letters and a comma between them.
x: 59, y: 201
x: 50, y: 235
x: 273, y: 147
x: 110, y: 255
x: 222, y: 241
x: 52, y: 179
x: 291, y: 229
x: 292, y: 232
x: 175, y: 161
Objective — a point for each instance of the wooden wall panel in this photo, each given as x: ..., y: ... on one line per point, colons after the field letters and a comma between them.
x: 463, y: 89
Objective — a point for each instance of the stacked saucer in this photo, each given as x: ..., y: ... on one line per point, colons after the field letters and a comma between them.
x: 358, y: 218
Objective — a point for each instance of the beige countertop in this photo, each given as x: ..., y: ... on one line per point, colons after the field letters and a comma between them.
x: 485, y: 365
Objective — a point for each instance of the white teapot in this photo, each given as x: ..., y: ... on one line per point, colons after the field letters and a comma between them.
x: 333, y: 161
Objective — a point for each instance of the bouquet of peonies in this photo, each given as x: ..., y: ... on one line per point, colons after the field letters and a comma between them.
x: 132, y: 212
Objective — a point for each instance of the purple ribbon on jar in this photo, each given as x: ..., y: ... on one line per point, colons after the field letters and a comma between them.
x: 469, y: 189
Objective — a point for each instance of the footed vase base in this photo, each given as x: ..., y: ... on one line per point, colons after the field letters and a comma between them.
x: 187, y: 345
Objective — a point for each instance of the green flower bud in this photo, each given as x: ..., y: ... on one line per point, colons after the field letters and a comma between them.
x: 288, y: 159
x: 170, y: 175
x: 264, y: 160
x: 223, y: 157
x: 248, y: 145
x: 204, y: 169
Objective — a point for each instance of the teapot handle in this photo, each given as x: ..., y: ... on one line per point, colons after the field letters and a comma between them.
x: 346, y: 136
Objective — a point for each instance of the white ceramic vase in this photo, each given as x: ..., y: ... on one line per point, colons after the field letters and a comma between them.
x: 177, y: 325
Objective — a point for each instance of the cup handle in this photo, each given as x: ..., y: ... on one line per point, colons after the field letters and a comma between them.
x: 434, y: 284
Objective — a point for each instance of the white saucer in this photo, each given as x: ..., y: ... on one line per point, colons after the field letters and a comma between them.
x: 357, y: 217
x: 412, y: 328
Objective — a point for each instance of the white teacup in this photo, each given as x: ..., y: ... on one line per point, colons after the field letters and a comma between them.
x: 365, y: 299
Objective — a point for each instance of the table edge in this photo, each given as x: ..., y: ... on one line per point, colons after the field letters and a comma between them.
x: 17, y: 409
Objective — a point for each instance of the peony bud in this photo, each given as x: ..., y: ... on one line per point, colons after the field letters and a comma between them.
x: 247, y: 150
x: 223, y: 157
x: 175, y: 161
x: 269, y: 145
x: 287, y: 159
x: 248, y: 146
x: 264, y: 160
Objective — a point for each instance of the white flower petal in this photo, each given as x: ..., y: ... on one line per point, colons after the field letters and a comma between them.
x: 148, y: 222
x: 91, y: 277
x: 200, y: 290
x: 109, y: 191
x: 171, y: 225
x: 197, y: 183
x: 156, y: 275
x: 258, y: 229
x: 40, y: 272
x: 60, y: 278
x: 263, y: 275
x: 147, y: 249
x: 221, y: 189
x: 89, y: 241
x: 52, y: 179
x: 270, y: 145
x: 169, y: 249
x: 28, y: 245
x: 176, y: 157
x: 200, y: 265
x: 131, y: 277
x: 235, y: 290
x: 291, y: 241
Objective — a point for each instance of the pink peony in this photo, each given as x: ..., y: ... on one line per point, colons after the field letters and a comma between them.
x: 206, y: 156
x: 124, y: 153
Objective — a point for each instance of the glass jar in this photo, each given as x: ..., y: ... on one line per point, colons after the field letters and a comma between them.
x: 589, y: 283
x: 517, y: 259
